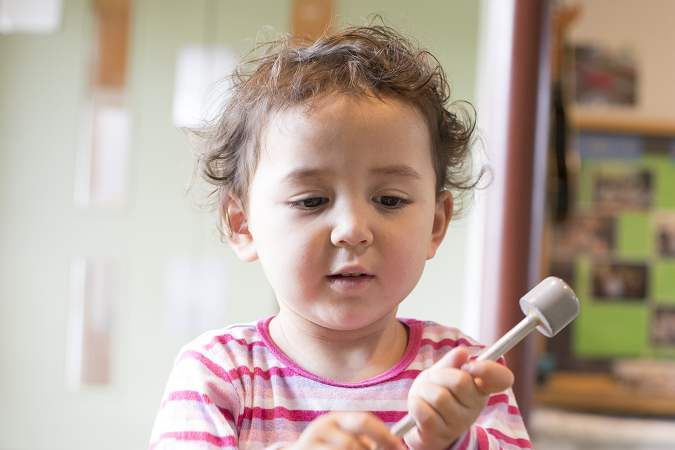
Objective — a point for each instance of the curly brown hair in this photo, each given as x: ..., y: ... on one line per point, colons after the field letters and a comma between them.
x: 373, y: 61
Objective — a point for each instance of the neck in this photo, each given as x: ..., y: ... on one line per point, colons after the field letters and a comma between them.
x: 347, y: 356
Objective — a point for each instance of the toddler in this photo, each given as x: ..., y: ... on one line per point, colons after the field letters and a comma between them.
x: 338, y: 165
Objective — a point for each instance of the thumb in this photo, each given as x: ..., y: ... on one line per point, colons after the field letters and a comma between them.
x: 454, y: 359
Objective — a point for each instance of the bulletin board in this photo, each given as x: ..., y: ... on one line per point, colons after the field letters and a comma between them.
x: 617, y: 248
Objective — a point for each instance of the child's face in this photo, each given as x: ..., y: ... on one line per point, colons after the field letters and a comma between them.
x: 348, y: 188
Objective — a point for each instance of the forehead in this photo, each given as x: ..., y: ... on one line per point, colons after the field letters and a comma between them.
x: 343, y: 129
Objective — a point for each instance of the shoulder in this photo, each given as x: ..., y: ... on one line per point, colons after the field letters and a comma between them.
x: 236, y: 339
x: 231, y: 338
x: 227, y: 352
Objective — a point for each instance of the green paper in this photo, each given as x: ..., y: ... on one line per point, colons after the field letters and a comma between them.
x: 663, y: 353
x: 664, y: 183
x: 582, y: 278
x: 608, y: 330
x: 585, y: 192
x: 634, y: 237
x: 663, y: 282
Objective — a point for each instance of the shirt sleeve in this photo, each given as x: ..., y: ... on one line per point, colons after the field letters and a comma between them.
x: 200, y: 407
x: 499, y: 426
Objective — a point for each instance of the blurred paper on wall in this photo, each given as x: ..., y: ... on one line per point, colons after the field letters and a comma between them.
x: 112, y: 138
x: 30, y: 16
x: 93, y: 290
x: 195, y: 294
x: 106, y: 122
x: 199, y: 87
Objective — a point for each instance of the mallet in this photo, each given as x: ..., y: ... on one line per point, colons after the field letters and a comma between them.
x: 548, y: 307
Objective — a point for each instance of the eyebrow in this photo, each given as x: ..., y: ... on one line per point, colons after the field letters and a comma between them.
x: 397, y: 170
x: 303, y: 174
x: 401, y: 170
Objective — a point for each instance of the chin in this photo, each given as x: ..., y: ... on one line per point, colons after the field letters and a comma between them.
x: 350, y: 321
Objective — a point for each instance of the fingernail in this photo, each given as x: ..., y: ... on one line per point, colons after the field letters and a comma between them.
x: 468, y: 368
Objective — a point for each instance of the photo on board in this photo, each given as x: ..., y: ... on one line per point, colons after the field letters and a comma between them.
x: 585, y: 233
x: 604, y: 76
x: 623, y: 187
x: 663, y: 327
x: 613, y: 281
x: 665, y: 234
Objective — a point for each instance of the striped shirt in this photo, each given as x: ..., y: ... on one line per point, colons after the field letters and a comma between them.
x: 233, y: 388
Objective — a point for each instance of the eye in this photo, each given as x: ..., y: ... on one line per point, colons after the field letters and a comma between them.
x: 309, y: 203
x: 390, y: 201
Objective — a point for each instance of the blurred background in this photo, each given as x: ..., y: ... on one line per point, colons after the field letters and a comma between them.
x: 107, y: 268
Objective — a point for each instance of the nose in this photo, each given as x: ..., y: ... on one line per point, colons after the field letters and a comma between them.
x: 351, y: 226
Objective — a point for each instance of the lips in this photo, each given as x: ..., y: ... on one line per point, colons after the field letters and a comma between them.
x: 350, y: 272
x: 350, y: 278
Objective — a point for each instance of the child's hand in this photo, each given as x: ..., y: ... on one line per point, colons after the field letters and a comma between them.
x: 348, y: 431
x: 445, y: 401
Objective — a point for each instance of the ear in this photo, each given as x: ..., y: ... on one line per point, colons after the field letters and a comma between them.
x: 442, y: 216
x: 239, y: 235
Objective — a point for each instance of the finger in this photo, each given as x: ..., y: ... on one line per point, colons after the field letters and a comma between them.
x: 370, y: 426
x: 490, y: 377
x: 438, y: 397
x: 327, y: 433
x: 454, y: 358
x: 459, y: 385
x: 425, y: 416
x: 338, y: 438
x: 367, y: 442
x: 323, y: 446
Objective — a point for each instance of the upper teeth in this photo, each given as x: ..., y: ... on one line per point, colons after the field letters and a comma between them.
x: 351, y: 274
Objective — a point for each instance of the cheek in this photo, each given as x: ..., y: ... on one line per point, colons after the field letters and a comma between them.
x: 288, y: 254
x: 407, y: 249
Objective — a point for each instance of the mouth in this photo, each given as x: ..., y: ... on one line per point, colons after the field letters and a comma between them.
x: 350, y: 278
x: 348, y: 275
x: 347, y: 272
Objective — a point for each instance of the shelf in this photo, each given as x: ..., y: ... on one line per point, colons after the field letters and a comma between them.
x: 622, y: 123
x: 600, y: 393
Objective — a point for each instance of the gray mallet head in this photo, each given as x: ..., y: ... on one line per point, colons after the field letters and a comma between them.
x: 553, y: 303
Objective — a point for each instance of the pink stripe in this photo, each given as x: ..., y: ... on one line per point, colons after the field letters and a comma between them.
x: 510, y: 409
x: 389, y: 416
x: 520, y: 443
x: 513, y: 410
x: 186, y: 395
x: 195, y: 397
x: 240, y: 371
x: 280, y: 412
x: 264, y: 374
x: 224, y: 339
x: 213, y: 367
x: 437, y: 345
x: 319, y: 392
x: 200, y: 436
x: 499, y: 398
x: 283, y: 372
x: 465, y: 441
x: 483, y: 441
x: 233, y: 374
x: 301, y: 415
